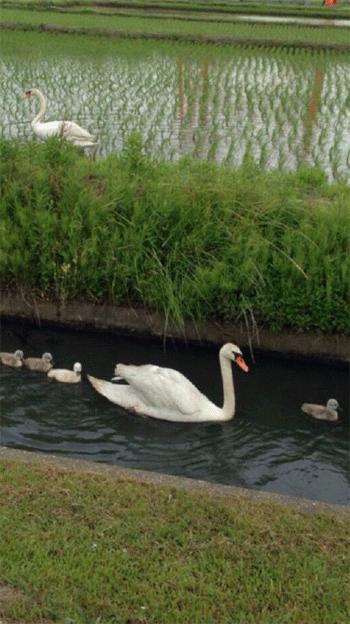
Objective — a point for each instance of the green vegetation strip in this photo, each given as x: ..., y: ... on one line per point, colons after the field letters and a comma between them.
x: 165, y: 11
x: 192, y: 239
x: 259, y: 7
x: 88, y: 548
x: 266, y: 34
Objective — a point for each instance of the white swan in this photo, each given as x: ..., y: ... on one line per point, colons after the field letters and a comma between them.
x: 321, y: 412
x: 66, y: 129
x: 166, y: 394
x: 12, y: 359
x: 43, y: 364
x: 65, y: 375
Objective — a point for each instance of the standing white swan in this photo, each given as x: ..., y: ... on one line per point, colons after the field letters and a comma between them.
x: 166, y: 394
x: 66, y: 129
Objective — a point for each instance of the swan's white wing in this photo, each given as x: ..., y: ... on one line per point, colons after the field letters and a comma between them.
x: 67, y: 129
x: 71, y: 130
x: 163, y: 388
x: 122, y: 395
x: 44, y: 130
x: 125, y: 396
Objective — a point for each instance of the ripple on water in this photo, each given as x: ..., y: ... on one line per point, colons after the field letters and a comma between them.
x: 270, y: 443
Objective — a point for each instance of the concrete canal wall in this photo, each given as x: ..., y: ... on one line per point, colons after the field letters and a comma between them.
x: 325, y: 348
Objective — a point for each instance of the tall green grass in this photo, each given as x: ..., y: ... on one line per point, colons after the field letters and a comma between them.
x: 192, y: 239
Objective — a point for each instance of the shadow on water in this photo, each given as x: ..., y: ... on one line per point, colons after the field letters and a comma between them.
x: 270, y: 444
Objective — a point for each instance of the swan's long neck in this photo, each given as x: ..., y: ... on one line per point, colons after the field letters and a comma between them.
x: 229, y: 407
x: 42, y: 102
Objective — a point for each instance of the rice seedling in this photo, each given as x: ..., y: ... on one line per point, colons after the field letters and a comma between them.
x: 167, y: 91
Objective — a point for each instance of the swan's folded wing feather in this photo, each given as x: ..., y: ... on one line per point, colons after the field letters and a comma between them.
x: 49, y: 128
x: 164, y: 388
x: 71, y: 129
x: 66, y: 129
x: 120, y: 394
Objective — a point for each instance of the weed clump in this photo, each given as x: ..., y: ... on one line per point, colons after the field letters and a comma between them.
x: 192, y: 239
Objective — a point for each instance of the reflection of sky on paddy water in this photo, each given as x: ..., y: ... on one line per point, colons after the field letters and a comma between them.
x: 214, y: 104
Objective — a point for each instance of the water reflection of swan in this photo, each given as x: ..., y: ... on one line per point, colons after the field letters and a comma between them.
x: 66, y: 129
x: 12, y: 359
x: 43, y: 364
x: 65, y: 375
x: 321, y: 412
x: 166, y: 394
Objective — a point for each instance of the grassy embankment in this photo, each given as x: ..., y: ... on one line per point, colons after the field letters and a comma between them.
x: 87, y: 548
x: 191, y: 239
x: 178, y: 24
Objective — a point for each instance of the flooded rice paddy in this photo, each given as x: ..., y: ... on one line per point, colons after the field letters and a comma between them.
x: 283, y: 106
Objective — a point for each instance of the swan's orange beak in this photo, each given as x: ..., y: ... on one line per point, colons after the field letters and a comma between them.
x: 25, y: 95
x: 240, y: 361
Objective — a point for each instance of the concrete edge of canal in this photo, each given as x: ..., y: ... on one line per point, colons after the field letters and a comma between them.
x: 166, y: 480
x: 331, y: 349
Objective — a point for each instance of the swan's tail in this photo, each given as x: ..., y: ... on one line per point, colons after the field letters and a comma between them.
x: 121, y: 394
x: 79, y: 142
x: 106, y: 388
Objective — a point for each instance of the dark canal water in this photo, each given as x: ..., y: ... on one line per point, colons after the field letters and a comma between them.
x: 270, y: 444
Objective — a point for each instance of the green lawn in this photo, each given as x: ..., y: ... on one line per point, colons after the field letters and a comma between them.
x: 88, y: 548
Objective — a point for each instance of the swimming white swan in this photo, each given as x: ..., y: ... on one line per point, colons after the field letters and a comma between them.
x: 43, y: 364
x: 66, y: 376
x: 166, y: 394
x: 12, y: 359
x: 321, y: 412
x: 66, y: 129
